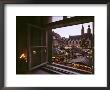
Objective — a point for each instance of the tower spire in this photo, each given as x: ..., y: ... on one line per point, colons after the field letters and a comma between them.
x: 82, y: 30
x: 89, y: 30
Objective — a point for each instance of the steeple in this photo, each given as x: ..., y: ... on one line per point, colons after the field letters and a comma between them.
x: 89, y: 30
x: 82, y: 30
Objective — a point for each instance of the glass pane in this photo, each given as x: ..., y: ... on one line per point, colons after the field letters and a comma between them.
x: 43, y: 55
x: 36, y: 57
x: 38, y: 37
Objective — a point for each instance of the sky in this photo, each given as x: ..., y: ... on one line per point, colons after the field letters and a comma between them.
x: 71, y: 30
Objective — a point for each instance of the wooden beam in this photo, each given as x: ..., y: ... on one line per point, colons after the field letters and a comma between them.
x: 70, y: 21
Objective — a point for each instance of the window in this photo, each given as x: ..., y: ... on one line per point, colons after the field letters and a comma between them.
x: 73, y: 54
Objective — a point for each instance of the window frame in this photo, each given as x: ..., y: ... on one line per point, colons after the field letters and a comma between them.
x: 63, y: 23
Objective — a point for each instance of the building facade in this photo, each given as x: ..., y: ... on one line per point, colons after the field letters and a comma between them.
x: 84, y: 41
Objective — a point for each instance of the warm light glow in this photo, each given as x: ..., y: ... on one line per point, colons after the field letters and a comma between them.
x: 23, y: 57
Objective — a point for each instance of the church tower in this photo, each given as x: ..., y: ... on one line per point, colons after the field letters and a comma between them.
x: 82, y: 30
x: 89, y: 30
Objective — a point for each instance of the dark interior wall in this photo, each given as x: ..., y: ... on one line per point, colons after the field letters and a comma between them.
x: 22, y: 34
x: 22, y: 27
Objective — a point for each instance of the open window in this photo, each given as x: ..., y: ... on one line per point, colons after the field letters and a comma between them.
x: 37, y: 46
x: 73, y: 43
x: 67, y: 53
